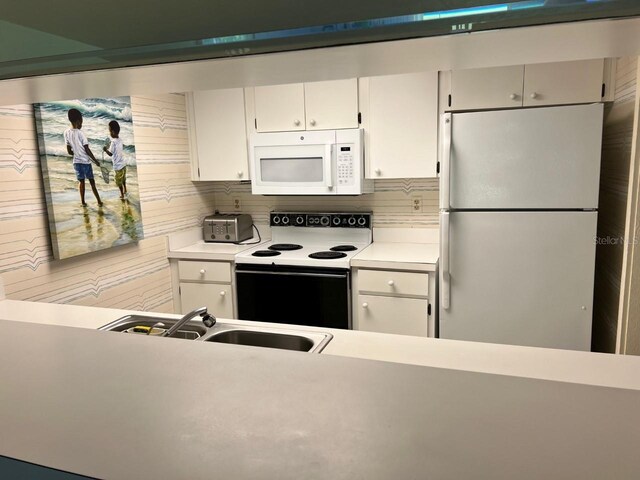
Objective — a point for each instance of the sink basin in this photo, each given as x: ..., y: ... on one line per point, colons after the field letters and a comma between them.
x: 190, y: 330
x: 263, y: 339
x: 254, y: 336
x: 300, y: 341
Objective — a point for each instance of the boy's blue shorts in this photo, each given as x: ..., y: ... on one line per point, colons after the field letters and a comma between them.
x: 83, y: 171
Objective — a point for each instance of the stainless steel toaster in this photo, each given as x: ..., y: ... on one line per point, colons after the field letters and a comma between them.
x: 227, y: 227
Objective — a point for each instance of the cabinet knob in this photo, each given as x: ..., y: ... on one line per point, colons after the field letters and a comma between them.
x: 365, y: 305
x: 390, y: 283
x: 513, y: 96
x: 240, y: 174
x: 223, y: 293
x: 312, y: 123
x: 203, y: 271
x: 378, y: 171
x: 534, y: 95
x: 296, y: 123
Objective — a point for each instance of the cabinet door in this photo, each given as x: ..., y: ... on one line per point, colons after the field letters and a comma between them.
x: 280, y: 108
x: 218, y: 135
x: 400, y: 120
x: 331, y: 104
x: 216, y: 297
x: 403, y: 316
x: 478, y: 88
x: 563, y: 82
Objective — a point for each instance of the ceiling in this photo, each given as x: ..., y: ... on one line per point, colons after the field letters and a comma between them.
x: 39, y: 37
x: 122, y: 23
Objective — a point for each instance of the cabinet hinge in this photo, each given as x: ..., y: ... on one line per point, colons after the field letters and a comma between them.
x: 198, y: 172
x: 255, y: 122
x: 428, y: 309
x: 438, y: 168
x: 449, y: 99
x: 603, y: 89
x: 179, y: 290
x: 359, y: 118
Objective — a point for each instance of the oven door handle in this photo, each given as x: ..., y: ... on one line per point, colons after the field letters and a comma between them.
x: 299, y: 274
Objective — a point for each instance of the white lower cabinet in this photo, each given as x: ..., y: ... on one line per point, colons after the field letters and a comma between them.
x: 216, y: 297
x: 389, y: 301
x: 403, y: 316
x: 200, y: 283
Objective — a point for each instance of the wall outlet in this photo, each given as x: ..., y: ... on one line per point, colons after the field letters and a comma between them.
x: 236, y: 203
x: 416, y: 204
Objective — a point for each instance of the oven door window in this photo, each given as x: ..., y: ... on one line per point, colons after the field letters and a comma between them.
x: 314, y: 297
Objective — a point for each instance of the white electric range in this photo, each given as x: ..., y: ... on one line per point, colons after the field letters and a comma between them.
x: 302, y: 276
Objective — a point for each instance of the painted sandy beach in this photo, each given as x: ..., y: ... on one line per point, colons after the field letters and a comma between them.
x: 76, y: 230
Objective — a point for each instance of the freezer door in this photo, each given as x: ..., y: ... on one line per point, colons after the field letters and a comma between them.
x: 537, y: 158
x: 521, y: 278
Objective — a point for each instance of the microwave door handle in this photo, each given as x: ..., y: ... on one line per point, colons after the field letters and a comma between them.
x: 328, y: 166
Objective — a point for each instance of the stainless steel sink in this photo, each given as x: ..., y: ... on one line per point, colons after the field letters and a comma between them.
x: 255, y: 336
x: 190, y: 330
x: 285, y: 339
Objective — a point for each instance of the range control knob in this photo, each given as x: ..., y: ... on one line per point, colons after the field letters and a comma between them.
x: 299, y: 220
x: 362, y: 221
x: 275, y: 219
x: 324, y: 220
x: 285, y: 220
x: 351, y: 221
x: 336, y: 221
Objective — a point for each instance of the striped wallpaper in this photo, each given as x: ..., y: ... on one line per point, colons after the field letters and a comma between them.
x: 614, y: 185
x: 137, y: 276
x: 392, y: 203
x: 130, y: 276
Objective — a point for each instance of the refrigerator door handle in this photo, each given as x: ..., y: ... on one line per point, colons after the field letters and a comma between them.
x: 445, y: 284
x: 445, y: 160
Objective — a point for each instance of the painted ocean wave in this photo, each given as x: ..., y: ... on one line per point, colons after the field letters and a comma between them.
x: 89, y: 109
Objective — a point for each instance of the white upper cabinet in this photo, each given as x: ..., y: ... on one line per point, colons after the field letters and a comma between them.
x: 331, y: 104
x: 400, y: 121
x: 479, y: 88
x: 558, y: 83
x: 307, y: 106
x: 280, y: 108
x: 563, y: 82
x: 217, y: 134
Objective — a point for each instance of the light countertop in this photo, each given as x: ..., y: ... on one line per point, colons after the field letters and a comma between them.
x: 543, y: 363
x: 212, y: 251
x: 136, y: 407
x: 398, y: 256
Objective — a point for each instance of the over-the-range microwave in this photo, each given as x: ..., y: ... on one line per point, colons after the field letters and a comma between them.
x: 320, y: 162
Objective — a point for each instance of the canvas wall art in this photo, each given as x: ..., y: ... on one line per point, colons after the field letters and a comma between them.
x: 89, y: 171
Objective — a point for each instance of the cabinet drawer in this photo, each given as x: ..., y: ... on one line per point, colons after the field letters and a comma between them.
x: 392, y: 282
x: 205, y: 271
x: 402, y: 316
x: 216, y: 297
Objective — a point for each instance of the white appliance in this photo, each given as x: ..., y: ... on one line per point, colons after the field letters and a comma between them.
x: 519, y: 198
x: 321, y: 162
x: 302, y: 276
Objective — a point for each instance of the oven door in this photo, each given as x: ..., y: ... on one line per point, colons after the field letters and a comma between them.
x: 318, y: 297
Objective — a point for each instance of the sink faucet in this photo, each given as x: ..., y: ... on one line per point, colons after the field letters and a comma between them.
x: 208, y: 319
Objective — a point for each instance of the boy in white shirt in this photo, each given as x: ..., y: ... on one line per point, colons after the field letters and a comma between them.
x: 78, y: 148
x: 117, y: 155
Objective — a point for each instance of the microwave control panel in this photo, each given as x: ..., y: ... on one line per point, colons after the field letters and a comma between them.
x: 345, y: 164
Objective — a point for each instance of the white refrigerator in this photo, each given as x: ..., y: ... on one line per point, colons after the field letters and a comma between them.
x: 518, y: 215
